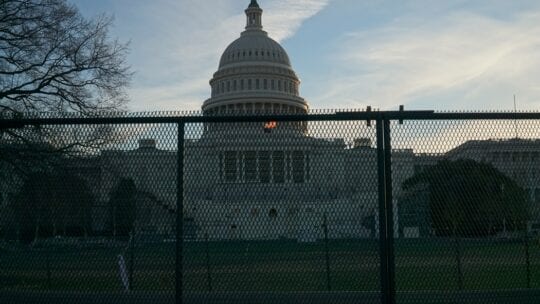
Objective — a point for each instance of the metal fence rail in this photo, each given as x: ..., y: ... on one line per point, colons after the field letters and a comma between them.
x: 329, y: 207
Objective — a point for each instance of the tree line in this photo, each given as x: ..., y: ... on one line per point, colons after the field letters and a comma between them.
x: 61, y: 203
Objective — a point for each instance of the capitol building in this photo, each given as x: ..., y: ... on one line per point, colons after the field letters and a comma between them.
x: 274, y: 180
x: 284, y: 181
x: 245, y: 181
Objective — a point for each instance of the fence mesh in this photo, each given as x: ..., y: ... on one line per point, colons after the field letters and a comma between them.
x: 281, y: 207
x: 466, y: 210
x: 272, y: 210
x: 88, y: 209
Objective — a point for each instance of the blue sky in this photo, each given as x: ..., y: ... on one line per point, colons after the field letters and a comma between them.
x: 442, y: 55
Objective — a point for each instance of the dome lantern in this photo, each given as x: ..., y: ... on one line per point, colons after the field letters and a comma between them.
x: 254, y: 16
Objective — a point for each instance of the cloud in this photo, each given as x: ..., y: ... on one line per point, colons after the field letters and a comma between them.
x: 283, y: 18
x: 177, y: 53
x: 462, y: 60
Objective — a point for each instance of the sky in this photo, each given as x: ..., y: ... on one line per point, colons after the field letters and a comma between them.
x: 451, y: 55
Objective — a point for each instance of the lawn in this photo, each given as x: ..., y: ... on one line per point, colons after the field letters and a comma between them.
x: 286, y: 266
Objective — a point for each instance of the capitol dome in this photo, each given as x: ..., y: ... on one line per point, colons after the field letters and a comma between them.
x: 255, y: 46
x: 255, y: 74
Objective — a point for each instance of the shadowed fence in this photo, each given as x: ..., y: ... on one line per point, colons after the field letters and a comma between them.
x: 327, y: 207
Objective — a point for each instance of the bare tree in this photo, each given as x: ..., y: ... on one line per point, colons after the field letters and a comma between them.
x: 53, y: 59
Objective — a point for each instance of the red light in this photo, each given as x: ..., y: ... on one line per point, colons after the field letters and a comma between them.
x: 270, y: 125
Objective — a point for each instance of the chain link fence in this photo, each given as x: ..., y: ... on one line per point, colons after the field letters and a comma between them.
x: 328, y: 207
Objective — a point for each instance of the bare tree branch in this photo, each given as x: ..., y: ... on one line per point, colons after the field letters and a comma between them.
x: 53, y: 59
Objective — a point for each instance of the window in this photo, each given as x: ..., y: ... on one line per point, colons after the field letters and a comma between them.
x: 278, y: 166
x: 257, y: 84
x: 264, y: 166
x: 272, y: 213
x: 298, y: 166
x: 273, y: 84
x: 265, y: 84
x: 234, y: 85
x: 250, y: 166
x: 222, y: 87
x: 279, y: 85
x: 249, y: 84
x: 228, y: 86
x: 231, y: 168
x: 242, y: 84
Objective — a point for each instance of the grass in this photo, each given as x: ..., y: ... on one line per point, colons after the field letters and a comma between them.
x: 287, y: 266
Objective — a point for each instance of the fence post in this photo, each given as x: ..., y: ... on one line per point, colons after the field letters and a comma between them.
x: 48, y: 267
x: 527, y: 257
x: 389, y: 212
x: 131, y: 259
x: 208, y: 269
x: 327, y: 253
x: 179, y: 213
x: 386, y: 222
